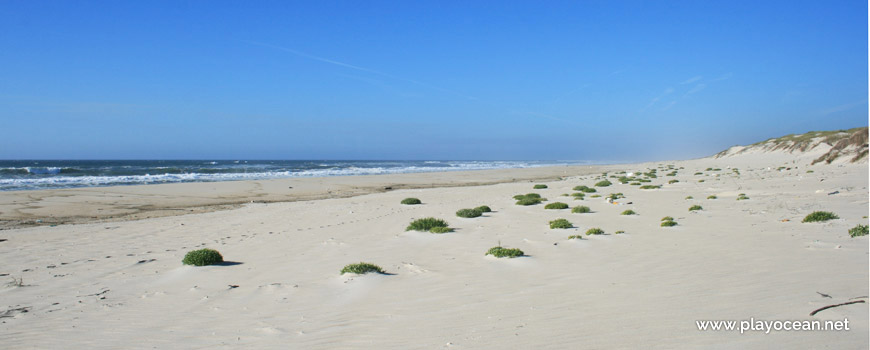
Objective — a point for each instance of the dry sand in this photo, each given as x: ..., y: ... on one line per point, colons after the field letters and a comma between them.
x: 121, y: 284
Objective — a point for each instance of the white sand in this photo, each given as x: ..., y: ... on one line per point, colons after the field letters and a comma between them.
x: 122, y: 285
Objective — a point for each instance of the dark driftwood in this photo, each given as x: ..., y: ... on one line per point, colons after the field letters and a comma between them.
x: 835, y: 305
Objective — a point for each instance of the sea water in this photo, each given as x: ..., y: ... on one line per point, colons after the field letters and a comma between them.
x: 47, y: 174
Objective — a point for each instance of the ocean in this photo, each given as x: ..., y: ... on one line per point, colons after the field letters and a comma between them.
x: 49, y: 174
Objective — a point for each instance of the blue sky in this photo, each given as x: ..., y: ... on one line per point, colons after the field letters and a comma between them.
x: 579, y: 80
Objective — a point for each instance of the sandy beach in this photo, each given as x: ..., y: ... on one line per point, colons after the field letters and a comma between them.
x: 105, y: 275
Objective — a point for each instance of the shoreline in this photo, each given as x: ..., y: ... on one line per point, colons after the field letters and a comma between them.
x: 30, y: 208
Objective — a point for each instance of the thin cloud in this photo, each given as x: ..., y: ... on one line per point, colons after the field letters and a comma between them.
x: 842, y: 107
x: 668, y: 91
x: 692, y: 80
x: 725, y: 76
x: 362, y: 69
x: 695, y: 89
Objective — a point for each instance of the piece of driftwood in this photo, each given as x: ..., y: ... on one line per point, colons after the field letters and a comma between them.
x: 835, y: 305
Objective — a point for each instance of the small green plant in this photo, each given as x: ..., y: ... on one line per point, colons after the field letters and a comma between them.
x: 702, y: 180
x: 709, y: 169
x: 580, y: 209
x: 615, y: 196
x: 603, y: 183
x: 858, y: 231
x: 635, y: 184
x: 673, y: 181
x: 500, y: 252
x: 595, y: 196
x: 411, y: 201
x: 440, y: 229
x: 619, y: 232
x: 202, y: 257
x: 556, y: 205
x: 742, y: 196
x: 629, y: 212
x: 594, y: 231
x: 575, y: 237
x: 689, y: 197
x: 527, y: 195
x: 528, y: 201
x: 539, y: 186
x: 426, y: 224
x: 667, y: 218
x: 669, y: 223
x: 650, y: 187
x: 468, y: 213
x: 699, y: 173
x: 362, y: 268
x: 695, y: 207
x: 560, y: 223
x: 820, y: 216
x: 712, y: 197
x: 809, y: 171
x: 585, y: 189
x: 483, y: 209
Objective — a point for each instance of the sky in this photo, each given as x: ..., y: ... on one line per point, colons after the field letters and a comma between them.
x: 434, y: 80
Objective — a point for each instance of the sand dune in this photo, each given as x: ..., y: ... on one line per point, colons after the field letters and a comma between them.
x: 121, y: 284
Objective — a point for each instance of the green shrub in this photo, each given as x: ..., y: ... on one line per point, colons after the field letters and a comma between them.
x: 669, y: 223
x: 528, y: 201
x: 712, y: 197
x: 556, y: 205
x: 500, y: 252
x: 362, y: 268
x: 440, y: 229
x: 603, y: 183
x: 818, y: 216
x: 695, y: 207
x: 635, y: 184
x: 527, y: 195
x: 673, y: 181
x: 561, y: 223
x: 667, y: 218
x: 483, y: 209
x: 689, y: 197
x: 539, y: 186
x: 858, y: 231
x: 699, y: 173
x: 468, y: 213
x: 629, y: 212
x: 411, y: 201
x: 426, y: 224
x: 742, y: 196
x: 585, y: 189
x: 809, y: 171
x: 615, y: 196
x: 202, y: 257
x: 702, y: 180
x: 594, y: 231
x: 650, y: 187
x: 619, y: 232
x: 575, y: 237
x: 581, y: 209
x: 709, y: 169
x: 595, y: 196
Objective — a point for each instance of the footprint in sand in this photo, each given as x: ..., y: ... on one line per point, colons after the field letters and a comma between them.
x: 413, y: 269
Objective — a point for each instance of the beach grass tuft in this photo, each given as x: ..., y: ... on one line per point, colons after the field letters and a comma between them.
x: 858, y: 231
x: 468, y: 213
x: 440, y: 229
x: 650, y: 187
x: 575, y: 237
x: 820, y: 216
x: 669, y: 223
x: 603, y: 183
x: 742, y: 196
x: 483, y: 209
x: 581, y: 209
x: 628, y: 212
x: 695, y: 207
x: 500, y: 252
x: 539, y: 186
x: 560, y: 223
x: 667, y: 218
x: 594, y: 231
x: 712, y: 197
x: 426, y: 224
x: 362, y: 268
x: 411, y: 201
x: 556, y: 205
x: 202, y: 257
